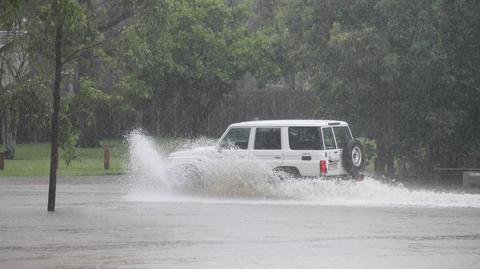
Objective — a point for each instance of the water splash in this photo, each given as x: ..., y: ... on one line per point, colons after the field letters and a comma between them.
x: 147, y: 169
x: 236, y: 180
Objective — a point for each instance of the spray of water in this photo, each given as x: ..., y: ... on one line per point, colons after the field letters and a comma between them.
x: 146, y: 167
x: 231, y: 179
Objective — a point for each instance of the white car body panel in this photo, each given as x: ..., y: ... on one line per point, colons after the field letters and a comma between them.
x: 306, y: 161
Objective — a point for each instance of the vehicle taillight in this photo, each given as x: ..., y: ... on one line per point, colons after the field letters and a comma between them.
x: 323, y: 166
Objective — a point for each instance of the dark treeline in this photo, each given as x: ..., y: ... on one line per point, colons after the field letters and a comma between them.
x: 404, y: 74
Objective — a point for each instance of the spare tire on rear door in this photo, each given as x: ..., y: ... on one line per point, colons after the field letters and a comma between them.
x: 353, y: 158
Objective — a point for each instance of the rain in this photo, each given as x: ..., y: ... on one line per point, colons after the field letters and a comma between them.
x: 239, y: 134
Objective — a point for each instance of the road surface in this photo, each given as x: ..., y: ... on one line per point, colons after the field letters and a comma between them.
x: 100, y: 222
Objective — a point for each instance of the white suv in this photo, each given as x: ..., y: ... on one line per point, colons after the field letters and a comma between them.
x: 301, y: 148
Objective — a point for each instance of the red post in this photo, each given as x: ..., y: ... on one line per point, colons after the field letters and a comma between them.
x: 2, y: 160
x: 106, y: 158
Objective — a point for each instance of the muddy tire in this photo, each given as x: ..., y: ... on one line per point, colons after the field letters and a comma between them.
x: 353, y: 157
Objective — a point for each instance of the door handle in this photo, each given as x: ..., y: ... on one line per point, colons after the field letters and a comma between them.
x: 306, y: 157
x: 277, y: 157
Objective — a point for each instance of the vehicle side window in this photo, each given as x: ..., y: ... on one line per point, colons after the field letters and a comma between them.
x: 267, y: 138
x: 328, y: 138
x: 236, y: 138
x: 342, y: 135
x: 305, y: 138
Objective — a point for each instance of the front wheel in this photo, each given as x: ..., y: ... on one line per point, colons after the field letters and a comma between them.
x: 353, y: 157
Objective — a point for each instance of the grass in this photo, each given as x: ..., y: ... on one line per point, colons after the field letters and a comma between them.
x: 34, y: 160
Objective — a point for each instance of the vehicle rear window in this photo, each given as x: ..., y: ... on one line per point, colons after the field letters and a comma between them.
x: 236, y: 138
x: 305, y: 138
x: 342, y: 135
x: 267, y: 138
x: 329, y: 139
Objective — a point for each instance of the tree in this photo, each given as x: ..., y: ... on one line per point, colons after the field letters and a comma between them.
x: 456, y: 113
x: 105, y: 19
x: 83, y: 107
x: 187, y: 55
x: 403, y: 72
x: 13, y: 69
x: 364, y: 61
x: 63, y: 27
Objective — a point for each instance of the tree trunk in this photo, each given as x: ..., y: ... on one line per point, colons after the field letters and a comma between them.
x: 379, y: 162
x: 384, y: 164
x: 290, y: 80
x: 158, y: 123
x: 390, y: 160
x: 139, y: 119
x: 194, y: 120
x: 56, y: 108
x: 87, y: 137
x: 402, y: 168
x: 9, y: 130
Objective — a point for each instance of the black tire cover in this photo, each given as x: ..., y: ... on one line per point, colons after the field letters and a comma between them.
x: 348, y: 162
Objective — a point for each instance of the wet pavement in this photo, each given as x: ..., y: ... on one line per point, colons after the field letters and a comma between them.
x: 97, y: 224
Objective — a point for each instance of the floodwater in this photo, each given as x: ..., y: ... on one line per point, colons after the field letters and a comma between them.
x: 233, y: 218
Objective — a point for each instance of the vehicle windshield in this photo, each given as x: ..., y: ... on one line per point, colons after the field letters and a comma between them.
x: 236, y: 138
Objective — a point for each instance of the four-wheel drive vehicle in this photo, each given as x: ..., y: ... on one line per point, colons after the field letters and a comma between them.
x: 301, y: 148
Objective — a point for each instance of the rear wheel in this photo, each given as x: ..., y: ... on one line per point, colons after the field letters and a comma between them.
x: 286, y: 172
x: 353, y: 157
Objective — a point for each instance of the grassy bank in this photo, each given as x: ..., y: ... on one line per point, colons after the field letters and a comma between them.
x: 34, y: 160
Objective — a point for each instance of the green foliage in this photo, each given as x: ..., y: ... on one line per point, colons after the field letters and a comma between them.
x: 78, y: 31
x: 369, y: 148
x: 10, y: 11
x: 83, y: 109
x: 84, y: 103
x: 132, y: 94
x: 67, y: 139
x: 190, y: 53
x: 401, y: 72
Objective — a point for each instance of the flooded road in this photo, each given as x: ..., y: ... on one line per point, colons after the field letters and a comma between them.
x: 100, y: 223
x: 232, y: 214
